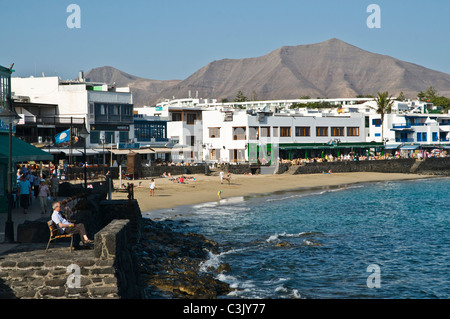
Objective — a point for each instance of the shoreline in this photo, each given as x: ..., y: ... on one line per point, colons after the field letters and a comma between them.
x: 170, y: 198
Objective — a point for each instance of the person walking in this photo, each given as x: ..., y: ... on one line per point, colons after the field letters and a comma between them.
x: 43, y: 194
x: 24, y: 191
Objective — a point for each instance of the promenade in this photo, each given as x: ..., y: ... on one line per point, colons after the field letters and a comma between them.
x: 18, y: 217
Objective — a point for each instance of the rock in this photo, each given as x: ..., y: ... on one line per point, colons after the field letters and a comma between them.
x: 171, y: 260
x: 223, y: 268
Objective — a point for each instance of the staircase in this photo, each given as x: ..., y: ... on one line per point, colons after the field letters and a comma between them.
x: 416, y: 165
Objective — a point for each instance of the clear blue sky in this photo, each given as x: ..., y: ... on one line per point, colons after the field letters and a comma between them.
x: 171, y: 39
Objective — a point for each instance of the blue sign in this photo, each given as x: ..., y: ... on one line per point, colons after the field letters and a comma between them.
x: 125, y: 146
x: 4, y: 128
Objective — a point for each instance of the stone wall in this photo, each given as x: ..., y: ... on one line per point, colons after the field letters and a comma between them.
x: 109, y: 270
x: 439, y: 166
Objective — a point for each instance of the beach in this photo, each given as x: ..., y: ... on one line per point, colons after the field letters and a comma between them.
x: 169, y: 194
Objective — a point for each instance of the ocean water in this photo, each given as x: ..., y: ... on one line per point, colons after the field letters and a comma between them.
x: 381, y: 240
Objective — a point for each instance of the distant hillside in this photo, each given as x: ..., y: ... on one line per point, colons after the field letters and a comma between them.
x: 145, y: 91
x: 329, y: 69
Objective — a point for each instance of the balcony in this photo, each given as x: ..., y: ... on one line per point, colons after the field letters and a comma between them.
x: 113, y: 119
x: 54, y: 120
x: 404, y: 140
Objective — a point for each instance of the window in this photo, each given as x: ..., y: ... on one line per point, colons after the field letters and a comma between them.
x: 275, y: 131
x: 191, y: 118
x: 321, y: 131
x: 376, y: 122
x: 352, y: 131
x: 237, y: 155
x: 285, y: 131
x: 94, y: 137
x: 253, y: 132
x: 176, y: 117
x: 302, y: 131
x: 337, y: 131
x: 123, y: 137
x: 435, y: 137
x: 239, y: 133
x: 214, y: 132
x: 110, y: 137
x: 265, y: 131
x: 212, y: 155
x: 422, y: 137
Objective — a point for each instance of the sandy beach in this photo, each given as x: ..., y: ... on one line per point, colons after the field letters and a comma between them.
x: 205, y: 188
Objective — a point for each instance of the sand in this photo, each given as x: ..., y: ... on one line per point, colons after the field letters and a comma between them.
x: 205, y: 188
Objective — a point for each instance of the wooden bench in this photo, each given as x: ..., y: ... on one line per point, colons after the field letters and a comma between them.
x: 54, y: 234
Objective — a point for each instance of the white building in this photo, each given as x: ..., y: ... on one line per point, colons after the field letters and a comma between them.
x: 245, y: 131
x: 107, y: 111
x: 239, y: 135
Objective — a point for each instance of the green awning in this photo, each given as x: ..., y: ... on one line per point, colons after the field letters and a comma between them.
x: 21, y: 151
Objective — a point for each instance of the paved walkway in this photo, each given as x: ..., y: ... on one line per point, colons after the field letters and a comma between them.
x: 18, y: 217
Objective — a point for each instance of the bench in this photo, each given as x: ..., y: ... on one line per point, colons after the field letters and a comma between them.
x: 54, y: 234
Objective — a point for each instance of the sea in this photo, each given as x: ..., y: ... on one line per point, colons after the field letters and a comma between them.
x: 387, y: 240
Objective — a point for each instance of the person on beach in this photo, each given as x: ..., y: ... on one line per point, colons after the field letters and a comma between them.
x: 64, y: 226
x: 152, y: 187
x: 43, y: 194
x: 24, y: 191
x: 228, y: 177
x: 222, y: 175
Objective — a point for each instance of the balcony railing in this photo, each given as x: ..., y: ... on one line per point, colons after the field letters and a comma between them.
x: 53, y: 120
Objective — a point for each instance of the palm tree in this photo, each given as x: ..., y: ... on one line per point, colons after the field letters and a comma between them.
x: 384, y: 105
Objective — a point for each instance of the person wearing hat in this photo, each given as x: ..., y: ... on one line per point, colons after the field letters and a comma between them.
x: 43, y: 194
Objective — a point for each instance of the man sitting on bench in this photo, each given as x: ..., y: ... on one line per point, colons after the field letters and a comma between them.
x: 64, y: 226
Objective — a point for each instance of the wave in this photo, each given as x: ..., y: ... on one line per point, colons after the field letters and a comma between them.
x: 306, y: 193
x: 276, y: 237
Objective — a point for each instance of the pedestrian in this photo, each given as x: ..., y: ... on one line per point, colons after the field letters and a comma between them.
x: 152, y: 187
x: 24, y: 191
x: 221, y: 174
x: 36, y: 184
x: 44, y: 193
x: 55, y: 187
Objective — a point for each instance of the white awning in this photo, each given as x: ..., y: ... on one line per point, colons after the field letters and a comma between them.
x: 139, y: 151
x: 409, y: 147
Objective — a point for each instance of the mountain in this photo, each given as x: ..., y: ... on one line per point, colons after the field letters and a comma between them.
x: 145, y: 91
x: 329, y: 69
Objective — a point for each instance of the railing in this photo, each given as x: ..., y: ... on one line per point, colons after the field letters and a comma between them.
x: 53, y: 120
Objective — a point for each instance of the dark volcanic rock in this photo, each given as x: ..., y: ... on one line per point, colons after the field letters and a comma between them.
x: 170, y: 262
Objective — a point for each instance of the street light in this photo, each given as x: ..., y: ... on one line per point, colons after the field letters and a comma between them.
x: 9, y: 117
x: 84, y: 134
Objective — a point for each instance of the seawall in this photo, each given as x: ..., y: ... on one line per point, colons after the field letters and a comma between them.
x: 428, y: 166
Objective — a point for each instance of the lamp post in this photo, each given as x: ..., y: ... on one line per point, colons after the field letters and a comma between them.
x: 84, y: 134
x: 9, y: 117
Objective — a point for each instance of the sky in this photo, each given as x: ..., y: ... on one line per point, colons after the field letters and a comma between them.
x: 171, y: 39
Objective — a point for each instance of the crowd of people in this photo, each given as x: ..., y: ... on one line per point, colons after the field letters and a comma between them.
x: 371, y: 157
x: 30, y: 185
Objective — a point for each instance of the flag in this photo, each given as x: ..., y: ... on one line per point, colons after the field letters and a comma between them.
x: 62, y: 137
